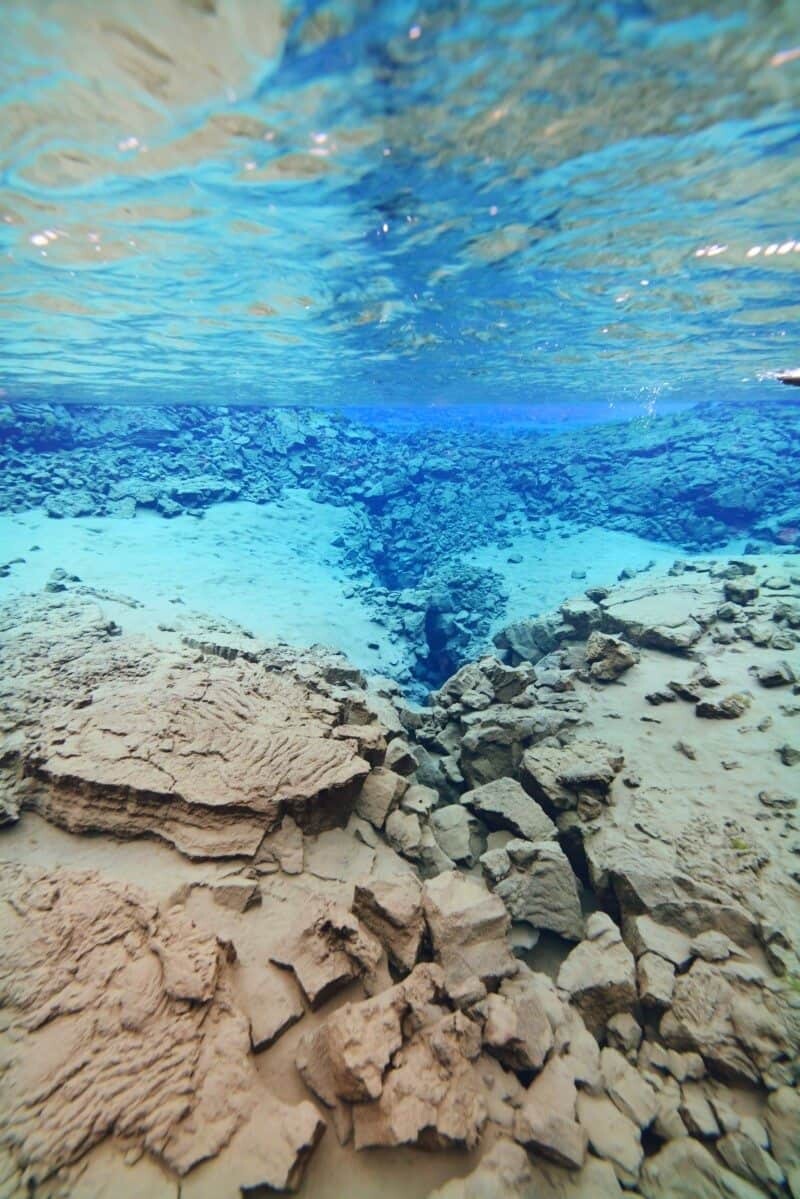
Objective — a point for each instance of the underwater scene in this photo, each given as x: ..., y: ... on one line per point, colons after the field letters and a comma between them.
x: 399, y: 599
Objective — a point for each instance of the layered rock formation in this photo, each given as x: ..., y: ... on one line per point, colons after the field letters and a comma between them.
x: 549, y: 920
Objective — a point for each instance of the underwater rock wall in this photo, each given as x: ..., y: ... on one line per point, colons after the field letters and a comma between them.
x: 420, y: 502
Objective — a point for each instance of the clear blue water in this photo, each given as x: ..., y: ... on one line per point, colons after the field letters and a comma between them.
x: 544, y: 256
x: 372, y: 203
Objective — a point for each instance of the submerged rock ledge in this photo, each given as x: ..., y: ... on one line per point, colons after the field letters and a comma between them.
x: 546, y: 926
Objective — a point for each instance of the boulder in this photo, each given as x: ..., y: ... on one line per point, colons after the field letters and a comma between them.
x: 783, y: 1120
x: 609, y: 657
x: 730, y: 707
x: 656, y: 981
x: 751, y: 1161
x: 504, y: 1173
x: 517, y: 1029
x: 457, y: 833
x: 684, y: 1169
x: 625, y: 1086
x: 546, y: 1122
x: 382, y: 791
x: 729, y: 1018
x: 599, y: 975
x: 392, y: 910
x: 468, y: 927
x: 559, y: 777
x: 504, y: 804
x: 536, y: 883
x: 612, y: 1136
x: 329, y: 949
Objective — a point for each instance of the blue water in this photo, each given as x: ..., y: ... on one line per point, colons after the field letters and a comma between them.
x: 516, y: 275
x: 369, y: 204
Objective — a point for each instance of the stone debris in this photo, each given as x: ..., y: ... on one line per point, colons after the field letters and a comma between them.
x: 331, y: 948
x: 412, y: 862
x: 599, y: 975
x: 126, y: 1026
x: 392, y: 910
x: 504, y: 804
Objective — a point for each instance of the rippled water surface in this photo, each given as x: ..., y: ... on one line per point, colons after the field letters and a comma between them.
x: 355, y: 202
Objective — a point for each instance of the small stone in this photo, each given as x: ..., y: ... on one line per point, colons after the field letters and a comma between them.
x: 777, y: 674
x: 656, y: 981
x: 609, y: 657
x: 623, y: 1032
x: 789, y: 755
x: 634, y: 1097
x: 740, y: 591
x: 697, y: 1112
x: 381, y: 792
x: 729, y: 708
x: 546, y: 1122
x: 612, y: 1135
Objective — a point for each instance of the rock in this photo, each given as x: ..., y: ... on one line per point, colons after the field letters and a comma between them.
x: 609, y: 657
x: 504, y: 804
x: 634, y: 1097
x: 670, y: 897
x: 740, y: 591
x: 656, y: 980
x: 420, y: 800
x: 540, y: 888
x: 238, y: 894
x: 431, y: 1096
x: 713, y: 946
x: 697, y: 1112
x: 732, y: 1021
x: 272, y: 1008
x: 560, y: 777
x: 405, y: 834
x: 382, y: 791
x: 611, y: 1135
x: 128, y: 1014
x: 468, y: 927
x: 663, y: 620
x: 729, y: 708
x: 624, y: 1033
x: 330, y: 949
x: 644, y: 935
x: 546, y: 1121
x: 789, y: 755
x: 582, y: 615
x: 684, y: 1169
x: 517, y: 1030
x: 777, y: 799
x: 392, y: 910
x: 777, y: 674
x: 783, y: 1120
x: 400, y: 757
x: 457, y: 833
x: 751, y: 1161
x: 504, y: 1173
x: 282, y: 850
x: 599, y: 974
x: 204, y: 753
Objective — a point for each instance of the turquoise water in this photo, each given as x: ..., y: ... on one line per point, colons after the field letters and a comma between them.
x: 472, y: 281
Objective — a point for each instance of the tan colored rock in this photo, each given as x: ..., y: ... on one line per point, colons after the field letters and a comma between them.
x: 644, y: 935
x: 517, y: 1029
x: 546, y: 1122
x: 730, y: 1019
x: 504, y: 1173
x: 611, y: 1135
x: 457, y: 833
x: 392, y: 910
x: 598, y: 975
x: 504, y: 804
x: 625, y: 1086
x: 783, y: 1121
x: 609, y: 657
x: 205, y: 753
x: 431, y: 1096
x: 539, y: 887
x: 381, y: 793
x: 468, y: 927
x: 751, y: 1161
x: 684, y: 1169
x: 560, y: 777
x: 125, y: 1025
x: 656, y: 981
x: 697, y: 1112
x: 329, y: 949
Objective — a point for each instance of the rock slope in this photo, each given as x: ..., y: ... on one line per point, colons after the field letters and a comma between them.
x: 544, y: 929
